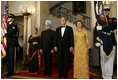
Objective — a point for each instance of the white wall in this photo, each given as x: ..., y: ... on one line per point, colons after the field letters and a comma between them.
x: 15, y: 5
x: 44, y: 14
x: 52, y: 3
x: 113, y: 11
x: 2, y: 7
x: 67, y: 5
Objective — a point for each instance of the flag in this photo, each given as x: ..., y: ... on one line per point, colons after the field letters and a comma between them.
x: 4, y: 31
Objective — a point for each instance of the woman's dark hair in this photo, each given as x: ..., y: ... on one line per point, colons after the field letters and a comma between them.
x: 36, y: 30
x: 80, y: 22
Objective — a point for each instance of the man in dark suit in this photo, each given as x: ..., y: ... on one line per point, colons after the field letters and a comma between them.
x: 64, y: 43
x: 12, y: 42
x: 47, y: 40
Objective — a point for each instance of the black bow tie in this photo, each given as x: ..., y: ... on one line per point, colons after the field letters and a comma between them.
x: 62, y: 26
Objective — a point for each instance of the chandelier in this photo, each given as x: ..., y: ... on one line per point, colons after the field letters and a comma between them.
x: 26, y: 10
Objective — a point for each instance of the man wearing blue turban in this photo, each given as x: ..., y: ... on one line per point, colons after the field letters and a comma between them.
x: 46, y: 47
x: 48, y: 22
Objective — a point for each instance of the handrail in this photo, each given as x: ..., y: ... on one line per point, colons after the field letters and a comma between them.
x: 59, y: 11
x: 62, y: 2
x: 68, y: 10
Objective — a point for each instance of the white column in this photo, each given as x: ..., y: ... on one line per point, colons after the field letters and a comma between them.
x: 38, y: 15
x: 25, y: 38
x: 29, y: 28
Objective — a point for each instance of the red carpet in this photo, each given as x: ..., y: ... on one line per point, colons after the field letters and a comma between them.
x: 27, y: 75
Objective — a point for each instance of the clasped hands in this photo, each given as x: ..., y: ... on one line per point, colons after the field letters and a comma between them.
x: 41, y: 51
x: 35, y: 43
x: 71, y: 49
x: 55, y: 50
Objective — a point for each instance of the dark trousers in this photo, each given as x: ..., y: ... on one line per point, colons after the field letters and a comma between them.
x: 63, y: 62
x: 47, y: 63
x: 10, y: 59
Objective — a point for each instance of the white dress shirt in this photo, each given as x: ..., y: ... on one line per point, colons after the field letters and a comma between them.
x: 63, y: 30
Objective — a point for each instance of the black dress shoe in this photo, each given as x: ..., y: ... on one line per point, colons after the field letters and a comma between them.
x: 13, y: 74
x: 49, y: 74
x: 65, y: 77
x: 7, y: 74
x: 60, y: 76
x: 45, y: 74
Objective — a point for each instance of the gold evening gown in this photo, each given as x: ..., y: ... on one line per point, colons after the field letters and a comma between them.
x: 81, y: 68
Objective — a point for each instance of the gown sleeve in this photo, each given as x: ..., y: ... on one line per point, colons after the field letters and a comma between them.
x: 74, y: 37
x: 87, y: 41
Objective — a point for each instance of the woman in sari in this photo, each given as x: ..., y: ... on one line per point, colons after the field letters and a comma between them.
x: 33, y: 45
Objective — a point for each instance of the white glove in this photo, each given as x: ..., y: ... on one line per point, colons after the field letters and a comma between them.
x: 99, y: 28
x: 3, y: 34
x: 97, y: 44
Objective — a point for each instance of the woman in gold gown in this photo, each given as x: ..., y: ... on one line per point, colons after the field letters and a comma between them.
x: 81, y: 68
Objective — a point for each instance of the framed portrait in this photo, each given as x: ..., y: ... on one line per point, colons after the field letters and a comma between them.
x: 79, y: 7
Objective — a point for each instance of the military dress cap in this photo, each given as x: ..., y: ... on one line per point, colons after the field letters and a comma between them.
x: 107, y: 7
x: 11, y: 15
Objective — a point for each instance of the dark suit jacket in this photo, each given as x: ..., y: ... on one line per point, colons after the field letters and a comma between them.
x: 47, y: 40
x: 66, y: 41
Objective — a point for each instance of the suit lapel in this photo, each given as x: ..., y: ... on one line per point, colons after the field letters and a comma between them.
x: 60, y: 32
x: 65, y: 31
